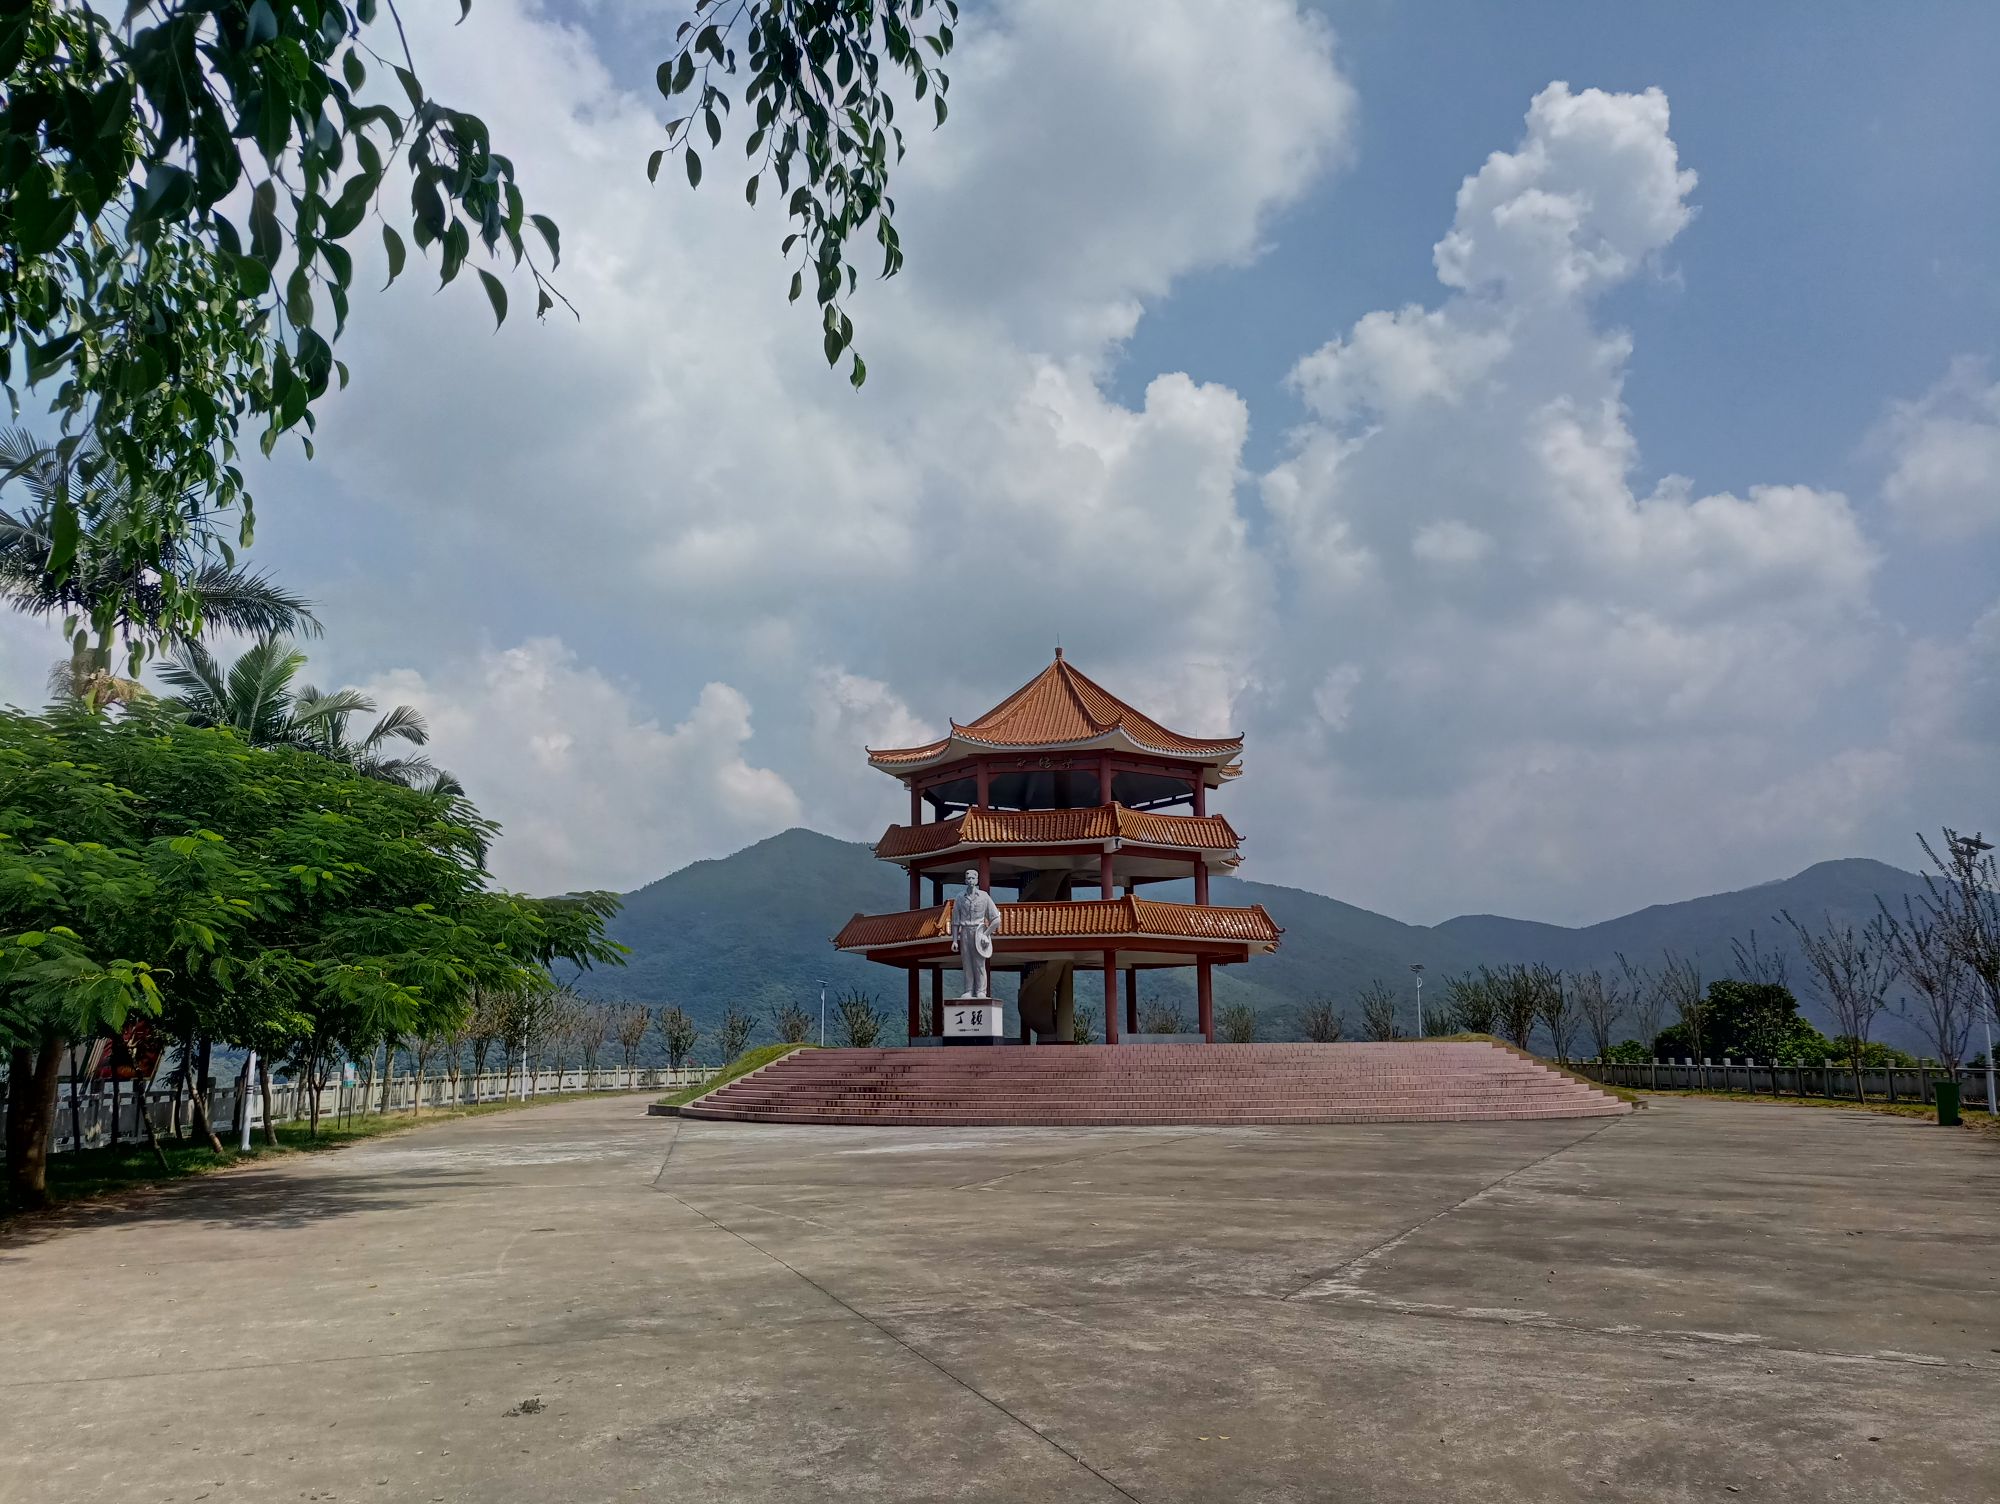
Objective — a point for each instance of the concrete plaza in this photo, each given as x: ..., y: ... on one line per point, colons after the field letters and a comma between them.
x: 1701, y: 1301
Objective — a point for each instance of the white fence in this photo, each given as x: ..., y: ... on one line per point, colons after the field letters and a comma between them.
x: 1888, y: 1083
x: 94, y: 1120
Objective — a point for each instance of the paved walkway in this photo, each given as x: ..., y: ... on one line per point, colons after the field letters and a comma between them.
x: 1701, y: 1301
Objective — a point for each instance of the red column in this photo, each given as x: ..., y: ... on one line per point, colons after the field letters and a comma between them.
x: 986, y: 873
x: 1111, y: 997
x: 937, y: 1001
x: 985, y: 783
x: 916, y: 1019
x: 1131, y: 1000
x: 916, y: 804
x: 1200, y: 795
x: 1200, y: 880
x: 916, y: 889
x: 1105, y: 882
x: 1103, y: 780
x: 1204, y: 991
x: 937, y: 891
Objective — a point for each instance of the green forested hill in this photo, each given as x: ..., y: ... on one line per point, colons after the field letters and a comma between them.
x: 754, y: 928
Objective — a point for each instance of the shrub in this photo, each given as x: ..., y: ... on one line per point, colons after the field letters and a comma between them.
x: 1160, y: 1017
x: 1319, y: 1020
x: 858, y: 1020
x: 733, y: 1033
x: 1378, y: 1011
x: 791, y: 1023
x: 1631, y: 1052
x: 1236, y: 1023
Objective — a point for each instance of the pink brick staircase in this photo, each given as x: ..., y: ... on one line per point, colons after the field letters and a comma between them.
x: 1108, y: 1085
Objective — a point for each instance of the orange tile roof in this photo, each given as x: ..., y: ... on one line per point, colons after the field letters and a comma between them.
x: 1087, y: 918
x: 1061, y: 707
x: 1040, y: 827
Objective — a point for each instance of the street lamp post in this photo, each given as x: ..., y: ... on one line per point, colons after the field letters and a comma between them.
x: 822, y: 1012
x: 1419, y: 970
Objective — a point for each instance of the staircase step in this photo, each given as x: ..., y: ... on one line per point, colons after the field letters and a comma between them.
x: 1157, y: 1085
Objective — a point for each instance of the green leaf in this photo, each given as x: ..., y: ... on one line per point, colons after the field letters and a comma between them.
x: 411, y: 87
x: 496, y: 295
x: 653, y: 165
x: 393, y: 244
x: 260, y: 25
x: 267, y: 241
x: 64, y: 532
x: 858, y: 375
x: 750, y: 192
x: 551, y: 236
x: 694, y: 169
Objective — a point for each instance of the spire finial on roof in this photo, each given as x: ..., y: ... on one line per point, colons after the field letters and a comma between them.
x: 1058, y: 652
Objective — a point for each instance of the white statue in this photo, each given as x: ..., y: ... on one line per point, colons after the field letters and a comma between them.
x: 975, y: 920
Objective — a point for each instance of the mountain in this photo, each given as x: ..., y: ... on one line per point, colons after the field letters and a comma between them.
x: 753, y: 928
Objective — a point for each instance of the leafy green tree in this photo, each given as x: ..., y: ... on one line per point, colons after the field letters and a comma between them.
x: 239, y: 893
x: 184, y: 186
x: 1745, y: 1020
x: 111, y: 594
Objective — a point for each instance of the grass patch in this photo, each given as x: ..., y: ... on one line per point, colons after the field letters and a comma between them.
x: 1977, y: 1121
x: 97, y: 1172
x: 1624, y: 1094
x: 742, y: 1065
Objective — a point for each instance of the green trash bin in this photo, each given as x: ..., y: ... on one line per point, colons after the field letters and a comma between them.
x: 1947, y: 1104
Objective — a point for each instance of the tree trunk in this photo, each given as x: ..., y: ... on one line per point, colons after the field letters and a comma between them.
x: 202, y: 1126
x: 270, y: 1119
x: 388, y: 1075
x: 34, y: 1078
x: 75, y: 1103
x: 146, y: 1122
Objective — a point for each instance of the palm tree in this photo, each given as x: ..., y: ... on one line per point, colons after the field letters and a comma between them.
x: 256, y: 697
x: 115, y: 591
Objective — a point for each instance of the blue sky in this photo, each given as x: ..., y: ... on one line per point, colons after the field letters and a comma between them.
x: 1650, y: 554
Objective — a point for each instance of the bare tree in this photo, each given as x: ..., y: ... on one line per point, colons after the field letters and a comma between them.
x: 486, y: 1028
x: 1080, y: 1031
x: 1158, y: 1016
x: 1600, y: 1002
x: 1475, y: 1007
x: 1319, y: 1021
x: 629, y: 1029
x: 1946, y: 989
x: 1643, y: 999
x: 1850, y: 970
x: 593, y: 1027
x: 1556, y: 1006
x: 1755, y: 964
x: 733, y: 1033
x: 1679, y: 988
x: 679, y: 1034
x: 1377, y: 1005
x: 1236, y: 1023
x: 1964, y: 897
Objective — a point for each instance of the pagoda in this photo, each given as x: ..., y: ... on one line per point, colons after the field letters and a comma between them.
x: 1063, y: 790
